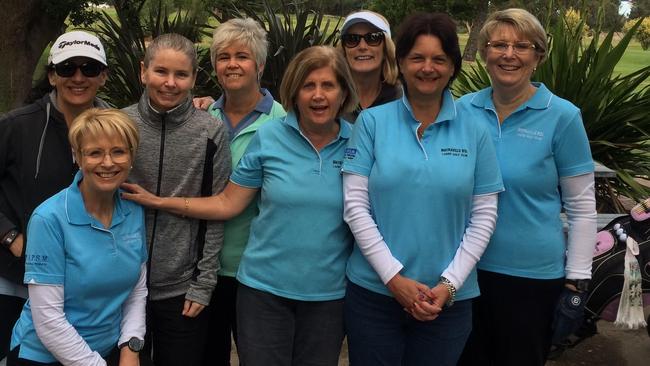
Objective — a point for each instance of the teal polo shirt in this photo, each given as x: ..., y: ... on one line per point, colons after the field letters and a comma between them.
x: 420, y: 191
x: 299, y: 243
x: 540, y: 142
x: 98, y: 268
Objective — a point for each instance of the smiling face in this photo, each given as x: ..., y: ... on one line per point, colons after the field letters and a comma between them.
x: 169, y: 77
x: 104, y: 162
x: 426, y: 69
x: 508, y: 69
x: 236, y: 68
x: 320, y: 98
x: 76, y: 91
x: 364, y: 58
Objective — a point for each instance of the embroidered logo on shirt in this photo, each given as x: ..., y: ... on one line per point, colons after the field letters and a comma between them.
x: 337, y: 164
x: 36, y: 259
x: 530, y: 134
x: 350, y: 153
x: 454, y: 151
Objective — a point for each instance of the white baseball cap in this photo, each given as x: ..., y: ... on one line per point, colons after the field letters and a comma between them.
x: 76, y: 44
x: 365, y: 17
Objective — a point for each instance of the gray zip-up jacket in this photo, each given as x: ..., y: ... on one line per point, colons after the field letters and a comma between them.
x: 183, y: 152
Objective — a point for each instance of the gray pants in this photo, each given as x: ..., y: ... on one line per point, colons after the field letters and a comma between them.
x: 276, y: 331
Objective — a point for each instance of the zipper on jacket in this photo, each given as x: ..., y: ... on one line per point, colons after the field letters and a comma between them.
x: 158, y: 186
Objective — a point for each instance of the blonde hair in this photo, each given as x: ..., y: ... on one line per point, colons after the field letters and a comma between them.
x: 96, y: 122
x: 244, y: 30
x: 389, y: 69
x: 525, y: 24
x: 310, y: 59
x: 174, y: 42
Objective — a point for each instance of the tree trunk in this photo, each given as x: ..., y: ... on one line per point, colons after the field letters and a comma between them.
x: 26, y: 30
x: 469, y: 53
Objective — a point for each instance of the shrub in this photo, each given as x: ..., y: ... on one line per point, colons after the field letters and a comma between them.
x: 643, y: 33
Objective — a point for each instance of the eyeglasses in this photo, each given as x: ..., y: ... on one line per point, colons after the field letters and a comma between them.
x: 118, y: 155
x: 372, y: 39
x: 519, y: 48
x: 89, y: 69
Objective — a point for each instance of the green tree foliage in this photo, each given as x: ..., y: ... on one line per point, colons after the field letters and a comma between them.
x: 643, y: 33
x: 640, y: 8
x: 614, y: 107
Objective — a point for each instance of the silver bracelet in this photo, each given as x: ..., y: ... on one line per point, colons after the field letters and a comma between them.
x: 450, y: 288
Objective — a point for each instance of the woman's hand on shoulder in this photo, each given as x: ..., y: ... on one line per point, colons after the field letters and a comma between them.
x: 203, y: 102
x: 134, y: 192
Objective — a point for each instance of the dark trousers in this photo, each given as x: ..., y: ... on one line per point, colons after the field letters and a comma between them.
x: 113, y: 359
x: 381, y: 333
x: 10, y: 308
x: 222, y: 322
x: 512, y: 321
x: 277, y: 331
x: 175, y: 339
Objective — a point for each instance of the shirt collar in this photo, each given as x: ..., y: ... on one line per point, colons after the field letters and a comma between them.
x: 540, y: 100
x: 345, y: 129
x: 447, y: 109
x: 76, y: 211
x: 264, y: 105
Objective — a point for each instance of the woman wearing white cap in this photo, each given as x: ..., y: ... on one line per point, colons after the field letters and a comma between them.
x: 36, y: 159
x: 370, y: 52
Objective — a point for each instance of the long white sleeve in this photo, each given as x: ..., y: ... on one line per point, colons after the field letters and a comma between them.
x: 482, y: 221
x: 54, y: 330
x: 134, y: 310
x: 357, y: 214
x: 579, y: 202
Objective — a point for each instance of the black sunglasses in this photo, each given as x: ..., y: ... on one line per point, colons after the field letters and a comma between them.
x: 372, y: 39
x: 89, y: 69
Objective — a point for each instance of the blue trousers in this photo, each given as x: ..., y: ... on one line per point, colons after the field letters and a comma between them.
x: 381, y: 333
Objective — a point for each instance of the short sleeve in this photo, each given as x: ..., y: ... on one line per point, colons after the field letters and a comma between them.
x: 249, y: 172
x: 45, y: 252
x: 487, y: 175
x: 571, y: 149
x: 359, y: 155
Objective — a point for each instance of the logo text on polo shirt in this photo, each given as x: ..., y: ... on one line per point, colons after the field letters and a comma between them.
x: 530, y: 134
x: 454, y: 151
x: 350, y: 153
x: 337, y: 164
x: 36, y: 259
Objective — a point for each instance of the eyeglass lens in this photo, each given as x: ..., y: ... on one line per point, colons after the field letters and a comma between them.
x: 89, y: 69
x: 353, y: 40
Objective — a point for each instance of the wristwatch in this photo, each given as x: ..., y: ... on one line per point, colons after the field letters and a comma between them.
x: 580, y: 285
x: 9, y: 238
x: 135, y: 344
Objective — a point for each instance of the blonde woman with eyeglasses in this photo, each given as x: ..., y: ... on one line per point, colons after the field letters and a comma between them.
x: 532, y: 279
x: 85, y: 258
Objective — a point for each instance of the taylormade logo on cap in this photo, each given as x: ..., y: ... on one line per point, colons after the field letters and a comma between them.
x: 71, y: 43
x: 77, y: 44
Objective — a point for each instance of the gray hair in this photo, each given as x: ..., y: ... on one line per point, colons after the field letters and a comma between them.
x: 244, y: 30
x: 175, y: 42
x: 526, y: 25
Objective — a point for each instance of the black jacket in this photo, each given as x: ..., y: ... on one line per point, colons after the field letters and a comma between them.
x: 35, y: 163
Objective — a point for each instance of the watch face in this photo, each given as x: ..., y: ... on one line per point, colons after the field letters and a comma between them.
x: 136, y: 344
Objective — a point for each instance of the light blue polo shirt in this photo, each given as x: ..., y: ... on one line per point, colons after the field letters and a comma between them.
x: 543, y: 140
x: 98, y: 268
x: 420, y: 191
x: 299, y: 243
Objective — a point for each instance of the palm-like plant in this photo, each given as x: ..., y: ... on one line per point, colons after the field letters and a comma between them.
x: 614, y: 107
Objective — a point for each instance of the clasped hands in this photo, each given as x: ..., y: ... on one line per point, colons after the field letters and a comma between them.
x: 422, y: 302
